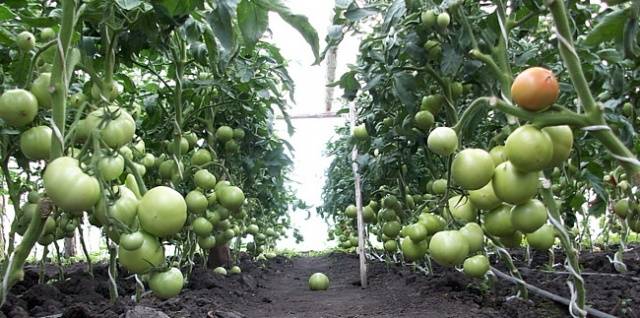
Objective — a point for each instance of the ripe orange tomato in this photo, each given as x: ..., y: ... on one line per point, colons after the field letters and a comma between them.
x: 535, y: 89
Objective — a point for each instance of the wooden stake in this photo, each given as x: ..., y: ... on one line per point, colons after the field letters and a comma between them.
x: 360, y: 220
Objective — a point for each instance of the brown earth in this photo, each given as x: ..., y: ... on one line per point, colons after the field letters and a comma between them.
x: 278, y: 288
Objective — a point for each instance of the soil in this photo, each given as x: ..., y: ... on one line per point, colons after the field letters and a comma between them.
x: 278, y: 288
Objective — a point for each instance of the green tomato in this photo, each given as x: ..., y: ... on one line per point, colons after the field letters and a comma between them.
x: 432, y: 222
x: 235, y: 270
x: 543, y: 238
x: 318, y: 281
x: 417, y: 232
x: 202, y: 227
x: 148, y: 161
x: 485, y: 198
x: 220, y: 271
x: 131, y: 241
x: 497, y: 222
x: 390, y: 246
x: 413, y: 251
x: 123, y: 209
x: 360, y: 132
x: 443, y: 20
x: 201, y: 157
x: 439, y: 186
x: 162, y: 211
x: 621, y: 207
x: 428, y: 18
x: 472, y: 168
x: 196, y: 202
x: 35, y: 143
x: 432, y: 103
x: 391, y: 229
x: 529, y: 216
x: 204, y: 179
x: 562, y: 143
x: 231, y: 147
x: 351, y: 211
x: 529, y: 149
x: 462, y: 209
x: 143, y: 259
x: 110, y: 167
x: 76, y: 100
x: 206, y: 243
x: 443, y: 141
x: 118, y: 128
x: 224, y: 134
x: 498, y: 155
x: 40, y: 89
x: 191, y: 138
x: 476, y: 266
x: 423, y: 120
x: 448, y: 248
x: 474, y: 235
x: 25, y: 41
x: 69, y: 187
x: 47, y: 34
x: 18, y: 107
x: 166, y: 284
x: 514, y: 186
x: 238, y: 134
x: 231, y: 197
x: 512, y: 241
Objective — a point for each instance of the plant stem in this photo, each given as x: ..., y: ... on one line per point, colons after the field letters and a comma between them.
x: 113, y: 272
x: 85, y: 251
x: 572, y: 262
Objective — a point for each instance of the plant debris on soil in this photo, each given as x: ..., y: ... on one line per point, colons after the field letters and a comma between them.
x: 279, y: 288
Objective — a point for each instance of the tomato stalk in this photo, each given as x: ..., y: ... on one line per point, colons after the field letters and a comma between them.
x: 85, y: 251
x: 59, y: 260
x: 43, y: 262
x: 112, y: 271
x: 599, y: 129
x: 572, y: 262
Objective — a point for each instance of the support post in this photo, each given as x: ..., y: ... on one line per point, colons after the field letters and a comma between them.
x: 359, y: 218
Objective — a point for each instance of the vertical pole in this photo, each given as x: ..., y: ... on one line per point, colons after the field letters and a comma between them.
x: 332, y: 63
x: 360, y: 220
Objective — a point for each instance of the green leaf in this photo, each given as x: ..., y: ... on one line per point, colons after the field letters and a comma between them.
x: 355, y: 14
x: 40, y: 22
x: 6, y: 13
x: 221, y: 23
x: 405, y: 87
x: 174, y: 8
x: 610, y: 27
x: 298, y: 22
x: 395, y: 12
x: 128, y: 4
x: 253, y: 21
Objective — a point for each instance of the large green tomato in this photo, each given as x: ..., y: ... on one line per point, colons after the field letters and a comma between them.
x: 416, y: 232
x: 543, y: 238
x: 69, y: 187
x: 498, y: 155
x: 448, y: 248
x: 18, y: 107
x: 423, y: 120
x: 390, y: 246
x: 443, y: 141
x: 196, y: 202
x: 202, y: 227
x: 562, y: 141
x: 351, y: 211
x: 35, y: 143
x: 432, y: 222
x: 462, y: 209
x: 204, y: 179
x: 484, y: 198
x: 116, y: 132
x: 166, y: 284
x: 474, y: 235
x: 110, y: 167
x: 142, y: 260
x: 497, y: 222
x: 124, y: 209
x: 162, y: 211
x: 529, y: 216
x: 131, y: 241
x: 514, y: 186
x: 439, y: 186
x: 529, y: 149
x: 231, y: 197
x: 413, y: 251
x: 40, y: 89
x: 318, y: 281
x: 392, y: 229
x: 201, y: 157
x: 224, y: 134
x: 472, y: 168
x: 476, y: 266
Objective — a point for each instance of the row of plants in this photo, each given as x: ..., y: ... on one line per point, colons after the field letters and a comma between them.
x: 487, y: 125
x: 150, y: 120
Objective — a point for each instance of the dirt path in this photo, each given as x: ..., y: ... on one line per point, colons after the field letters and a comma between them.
x: 278, y: 289
x: 286, y: 294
